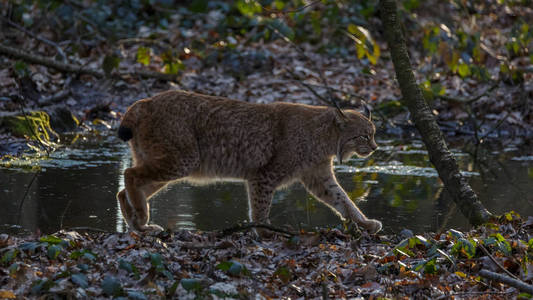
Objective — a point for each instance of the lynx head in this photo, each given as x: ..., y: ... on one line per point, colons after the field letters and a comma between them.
x: 356, y: 134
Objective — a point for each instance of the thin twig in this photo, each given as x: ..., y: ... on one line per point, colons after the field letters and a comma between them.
x: 474, y: 293
x: 468, y: 101
x: 275, y: 11
x: 86, y: 228
x: 64, y: 213
x: 302, y: 52
x: 247, y: 226
x: 19, y: 213
x: 320, y: 97
x: 35, y: 36
x: 60, y: 96
x: 500, y: 122
x: 496, y: 262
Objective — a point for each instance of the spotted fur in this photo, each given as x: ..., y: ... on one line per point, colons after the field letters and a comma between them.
x: 179, y: 135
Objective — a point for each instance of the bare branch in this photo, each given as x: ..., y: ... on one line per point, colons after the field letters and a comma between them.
x: 35, y: 36
x: 71, y: 68
x: 522, y: 286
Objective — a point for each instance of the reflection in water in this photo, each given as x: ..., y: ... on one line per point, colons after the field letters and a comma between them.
x: 396, y: 185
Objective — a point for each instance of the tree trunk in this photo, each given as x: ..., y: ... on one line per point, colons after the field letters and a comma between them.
x: 439, y: 155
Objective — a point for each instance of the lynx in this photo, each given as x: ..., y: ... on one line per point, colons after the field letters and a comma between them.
x: 178, y: 135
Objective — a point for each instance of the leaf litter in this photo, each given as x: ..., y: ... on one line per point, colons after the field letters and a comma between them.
x: 335, y: 263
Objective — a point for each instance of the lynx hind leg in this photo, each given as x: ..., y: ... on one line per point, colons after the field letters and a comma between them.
x: 326, y: 189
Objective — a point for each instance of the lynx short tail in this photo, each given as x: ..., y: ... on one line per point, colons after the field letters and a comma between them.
x: 125, y: 133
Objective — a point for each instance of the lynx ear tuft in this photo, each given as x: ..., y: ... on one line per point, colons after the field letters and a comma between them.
x: 340, y: 118
x: 366, y: 111
x: 339, y: 152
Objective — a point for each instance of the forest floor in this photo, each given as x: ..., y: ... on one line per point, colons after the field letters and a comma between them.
x: 328, y: 264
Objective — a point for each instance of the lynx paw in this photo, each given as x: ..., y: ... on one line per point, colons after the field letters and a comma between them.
x: 373, y: 226
x: 151, y: 229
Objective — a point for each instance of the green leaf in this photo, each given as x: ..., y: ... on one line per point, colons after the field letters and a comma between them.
x: 283, y: 28
x: 464, y: 70
x: 51, y: 239
x: 191, y: 284
x: 173, y: 67
x: 224, y: 266
x: 284, y: 274
x: 143, y: 55
x: 172, y: 289
x: 110, y: 62
x: 83, y: 253
x: 112, y: 287
x: 135, y: 295
x: 80, y: 279
x: 83, y: 267
x: 30, y: 247
x: 248, y: 8
x: 156, y: 259
x: 198, y: 6
x: 53, y: 251
x: 9, y: 256
x: 41, y: 286
x: 430, y: 267
x: 13, y: 268
x: 236, y: 269
x: 456, y: 234
x: 21, y: 69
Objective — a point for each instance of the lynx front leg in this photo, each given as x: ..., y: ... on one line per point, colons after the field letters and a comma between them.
x: 128, y: 211
x: 259, y: 200
x: 327, y: 189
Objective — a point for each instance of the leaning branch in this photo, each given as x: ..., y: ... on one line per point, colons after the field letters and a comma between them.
x: 522, y: 286
x: 412, y: 97
x: 60, y: 51
x: 251, y: 225
x: 79, y: 70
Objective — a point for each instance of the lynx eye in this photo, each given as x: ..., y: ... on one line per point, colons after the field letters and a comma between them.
x: 365, y: 137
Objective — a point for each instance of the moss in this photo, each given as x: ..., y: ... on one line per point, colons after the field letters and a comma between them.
x: 34, y: 125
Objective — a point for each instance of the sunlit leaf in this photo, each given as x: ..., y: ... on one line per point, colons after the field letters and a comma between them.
x: 460, y: 274
x: 50, y: 239
x: 248, y: 8
x: 464, y: 70
x: 5, y: 294
x: 143, y: 55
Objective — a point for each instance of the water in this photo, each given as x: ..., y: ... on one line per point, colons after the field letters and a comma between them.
x: 76, y: 187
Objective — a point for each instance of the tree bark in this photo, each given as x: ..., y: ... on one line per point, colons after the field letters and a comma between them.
x: 412, y: 97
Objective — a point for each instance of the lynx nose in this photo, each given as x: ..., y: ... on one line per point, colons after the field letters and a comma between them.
x: 374, y: 146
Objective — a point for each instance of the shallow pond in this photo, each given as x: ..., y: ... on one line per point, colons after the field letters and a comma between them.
x: 76, y: 187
